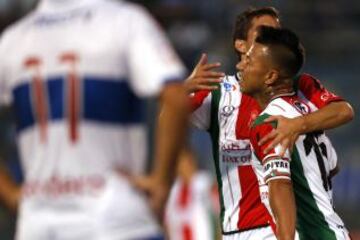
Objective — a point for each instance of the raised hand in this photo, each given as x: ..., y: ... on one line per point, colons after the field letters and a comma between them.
x: 204, y: 76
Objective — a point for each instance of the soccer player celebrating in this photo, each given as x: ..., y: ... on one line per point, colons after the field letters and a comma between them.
x: 299, y: 182
x: 75, y: 72
x: 227, y: 115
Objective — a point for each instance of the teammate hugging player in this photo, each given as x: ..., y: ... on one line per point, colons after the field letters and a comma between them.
x: 299, y: 182
x: 227, y: 114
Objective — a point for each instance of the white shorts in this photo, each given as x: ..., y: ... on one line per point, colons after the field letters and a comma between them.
x: 118, y: 213
x: 46, y: 227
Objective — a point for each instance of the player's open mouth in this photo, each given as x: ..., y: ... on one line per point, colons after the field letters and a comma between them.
x: 240, y: 78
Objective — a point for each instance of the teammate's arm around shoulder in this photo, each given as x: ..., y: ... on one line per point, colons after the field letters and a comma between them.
x: 333, y: 112
x: 277, y: 175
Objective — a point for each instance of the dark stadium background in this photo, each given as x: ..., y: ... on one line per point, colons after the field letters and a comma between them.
x: 330, y: 32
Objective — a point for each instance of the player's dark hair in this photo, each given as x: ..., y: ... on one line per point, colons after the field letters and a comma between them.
x: 244, y: 20
x: 285, y: 48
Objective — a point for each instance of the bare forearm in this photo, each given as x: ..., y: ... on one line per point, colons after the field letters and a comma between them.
x: 171, y: 132
x: 9, y: 191
x: 333, y: 115
x: 282, y: 203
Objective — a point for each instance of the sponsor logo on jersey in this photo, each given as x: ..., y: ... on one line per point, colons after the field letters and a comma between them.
x: 58, y: 186
x: 48, y: 20
x: 235, y: 154
x: 229, y: 87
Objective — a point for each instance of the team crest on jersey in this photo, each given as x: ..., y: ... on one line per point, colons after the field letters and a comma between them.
x: 325, y: 96
x: 301, y: 107
x: 227, y: 111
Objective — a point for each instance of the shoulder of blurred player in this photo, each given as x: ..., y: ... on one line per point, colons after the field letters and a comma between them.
x: 12, y: 33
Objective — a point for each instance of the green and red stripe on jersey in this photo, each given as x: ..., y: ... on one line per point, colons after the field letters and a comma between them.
x: 252, y: 213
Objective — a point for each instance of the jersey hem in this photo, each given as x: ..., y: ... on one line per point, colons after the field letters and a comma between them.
x: 244, y: 229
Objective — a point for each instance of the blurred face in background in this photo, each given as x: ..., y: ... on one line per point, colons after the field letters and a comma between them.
x: 265, y: 20
x: 243, y: 46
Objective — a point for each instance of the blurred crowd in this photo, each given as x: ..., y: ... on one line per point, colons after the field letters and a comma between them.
x: 329, y: 31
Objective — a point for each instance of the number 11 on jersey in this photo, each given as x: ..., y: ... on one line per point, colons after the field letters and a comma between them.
x: 40, y: 98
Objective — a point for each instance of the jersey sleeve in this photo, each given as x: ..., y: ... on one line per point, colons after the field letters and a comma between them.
x: 201, y: 109
x: 5, y: 91
x: 274, y: 166
x: 315, y: 92
x: 152, y: 62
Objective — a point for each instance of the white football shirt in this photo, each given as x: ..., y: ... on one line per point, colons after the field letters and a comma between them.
x: 75, y: 72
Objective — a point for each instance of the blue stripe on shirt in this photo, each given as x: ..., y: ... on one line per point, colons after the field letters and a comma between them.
x: 104, y: 100
x: 22, y: 106
x: 111, y: 101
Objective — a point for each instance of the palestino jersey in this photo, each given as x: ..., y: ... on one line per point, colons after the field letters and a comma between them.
x: 75, y: 73
x: 227, y: 115
x: 190, y: 209
x: 308, y: 167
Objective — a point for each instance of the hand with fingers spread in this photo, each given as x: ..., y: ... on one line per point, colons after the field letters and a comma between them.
x: 204, y: 76
x: 285, y: 134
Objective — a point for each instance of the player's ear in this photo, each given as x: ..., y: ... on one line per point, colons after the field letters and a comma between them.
x: 240, y: 46
x: 271, y: 77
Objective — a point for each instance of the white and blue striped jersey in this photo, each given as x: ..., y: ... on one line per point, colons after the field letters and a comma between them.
x: 75, y: 72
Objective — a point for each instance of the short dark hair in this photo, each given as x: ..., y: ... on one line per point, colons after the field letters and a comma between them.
x: 244, y: 20
x: 285, y: 48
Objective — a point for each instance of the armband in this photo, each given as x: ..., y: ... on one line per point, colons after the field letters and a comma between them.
x: 276, y: 167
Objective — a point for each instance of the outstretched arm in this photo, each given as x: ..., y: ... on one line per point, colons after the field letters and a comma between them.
x: 331, y: 116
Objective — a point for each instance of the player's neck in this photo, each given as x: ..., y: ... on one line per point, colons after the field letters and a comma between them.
x: 262, y: 99
x: 273, y: 92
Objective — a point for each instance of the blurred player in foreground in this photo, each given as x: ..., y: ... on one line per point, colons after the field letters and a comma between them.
x: 299, y: 182
x: 227, y: 115
x: 190, y: 211
x: 75, y: 72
